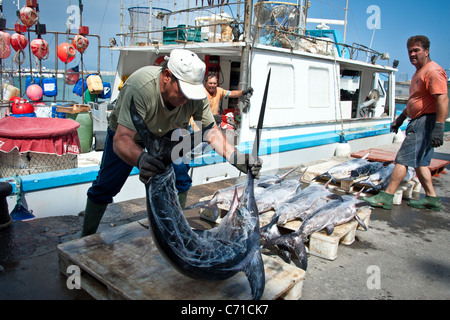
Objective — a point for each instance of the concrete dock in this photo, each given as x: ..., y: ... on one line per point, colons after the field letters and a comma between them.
x: 404, y: 255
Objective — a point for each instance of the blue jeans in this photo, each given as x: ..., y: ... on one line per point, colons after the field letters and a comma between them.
x: 112, y: 175
x: 114, y: 172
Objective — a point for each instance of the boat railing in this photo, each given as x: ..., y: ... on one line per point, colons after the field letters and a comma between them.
x: 275, y: 23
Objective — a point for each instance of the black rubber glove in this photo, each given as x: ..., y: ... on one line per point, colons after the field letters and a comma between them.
x: 245, y: 161
x: 397, y: 123
x: 247, y: 91
x: 437, y: 136
x: 149, y: 167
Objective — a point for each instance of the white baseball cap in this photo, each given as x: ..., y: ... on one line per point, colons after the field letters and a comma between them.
x: 190, y: 71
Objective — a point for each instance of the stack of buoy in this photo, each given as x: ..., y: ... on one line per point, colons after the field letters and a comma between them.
x: 22, y: 108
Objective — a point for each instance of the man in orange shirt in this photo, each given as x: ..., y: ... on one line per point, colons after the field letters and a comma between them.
x: 216, y: 94
x: 428, y: 109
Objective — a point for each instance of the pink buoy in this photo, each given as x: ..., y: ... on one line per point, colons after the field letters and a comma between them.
x: 40, y: 48
x: 5, y: 48
x: 34, y: 92
x: 28, y: 16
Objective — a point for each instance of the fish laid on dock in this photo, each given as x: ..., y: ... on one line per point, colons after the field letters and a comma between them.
x: 379, y: 177
x: 273, y: 197
x: 225, y: 196
x: 369, y: 168
x: 380, y: 180
x: 331, y: 214
x: 344, y: 170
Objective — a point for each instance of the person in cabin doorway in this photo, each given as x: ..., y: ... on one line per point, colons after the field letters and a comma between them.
x: 216, y: 94
x: 428, y: 109
x: 166, y: 97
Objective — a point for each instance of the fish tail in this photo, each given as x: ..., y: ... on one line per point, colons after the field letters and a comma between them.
x: 253, y: 267
x: 256, y: 275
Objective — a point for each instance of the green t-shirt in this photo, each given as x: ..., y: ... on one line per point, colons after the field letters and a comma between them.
x: 143, y: 86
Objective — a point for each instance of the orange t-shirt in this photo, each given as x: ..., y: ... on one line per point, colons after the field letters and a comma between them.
x: 429, y: 80
x: 214, y: 100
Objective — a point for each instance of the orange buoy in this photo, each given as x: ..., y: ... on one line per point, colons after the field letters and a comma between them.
x: 66, y: 52
x: 80, y: 43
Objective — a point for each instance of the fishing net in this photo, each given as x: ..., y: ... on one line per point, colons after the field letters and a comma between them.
x: 278, y: 22
x: 175, y: 21
x: 31, y: 162
x: 140, y: 19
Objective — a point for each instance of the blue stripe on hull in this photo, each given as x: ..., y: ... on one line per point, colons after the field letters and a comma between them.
x: 69, y: 177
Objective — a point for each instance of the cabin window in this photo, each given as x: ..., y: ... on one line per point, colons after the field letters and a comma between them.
x: 282, y: 84
x: 318, y: 88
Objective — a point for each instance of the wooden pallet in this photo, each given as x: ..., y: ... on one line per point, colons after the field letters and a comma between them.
x: 124, y: 263
x: 323, y: 245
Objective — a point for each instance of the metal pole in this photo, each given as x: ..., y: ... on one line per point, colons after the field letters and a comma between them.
x: 150, y: 9
x: 345, y: 26
x: 244, y: 74
x: 121, y: 22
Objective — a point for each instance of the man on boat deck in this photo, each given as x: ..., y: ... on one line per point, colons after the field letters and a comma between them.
x: 216, y: 94
x: 428, y: 109
x: 166, y: 98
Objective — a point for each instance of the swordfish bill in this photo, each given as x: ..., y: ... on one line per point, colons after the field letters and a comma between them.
x: 216, y: 254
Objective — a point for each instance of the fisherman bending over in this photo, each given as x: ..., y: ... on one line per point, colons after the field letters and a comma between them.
x: 166, y: 98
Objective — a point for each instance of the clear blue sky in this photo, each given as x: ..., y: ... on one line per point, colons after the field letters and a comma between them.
x: 398, y: 21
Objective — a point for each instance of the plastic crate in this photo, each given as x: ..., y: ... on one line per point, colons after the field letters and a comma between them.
x: 194, y: 34
x: 171, y: 35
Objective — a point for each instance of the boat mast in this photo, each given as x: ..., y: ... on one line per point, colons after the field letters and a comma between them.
x: 244, y: 75
x: 150, y: 9
x: 345, y: 26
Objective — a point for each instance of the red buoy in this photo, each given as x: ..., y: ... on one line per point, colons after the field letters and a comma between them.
x: 18, y: 42
x: 80, y: 43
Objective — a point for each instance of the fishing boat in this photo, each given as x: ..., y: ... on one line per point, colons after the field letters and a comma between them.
x: 322, y: 100
x: 320, y: 96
